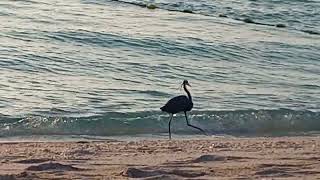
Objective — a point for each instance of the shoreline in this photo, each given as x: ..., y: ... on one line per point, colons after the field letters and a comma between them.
x: 149, y: 137
x: 293, y: 157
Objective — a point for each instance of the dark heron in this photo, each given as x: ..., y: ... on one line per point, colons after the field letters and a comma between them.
x: 180, y: 104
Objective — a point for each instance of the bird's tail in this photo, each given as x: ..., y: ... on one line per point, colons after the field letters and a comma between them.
x: 162, y: 108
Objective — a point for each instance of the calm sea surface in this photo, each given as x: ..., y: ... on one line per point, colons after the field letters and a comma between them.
x: 104, y: 67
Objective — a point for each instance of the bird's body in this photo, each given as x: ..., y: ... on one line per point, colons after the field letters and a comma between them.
x: 180, y: 104
x: 177, y: 104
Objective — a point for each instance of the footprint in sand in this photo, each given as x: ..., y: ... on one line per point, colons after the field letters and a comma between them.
x: 52, y: 166
x: 206, y: 158
x: 31, y: 161
x: 160, y: 173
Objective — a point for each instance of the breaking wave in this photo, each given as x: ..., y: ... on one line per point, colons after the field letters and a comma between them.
x: 241, y: 122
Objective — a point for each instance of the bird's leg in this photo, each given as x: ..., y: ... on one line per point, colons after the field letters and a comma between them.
x: 185, y: 113
x: 170, y: 126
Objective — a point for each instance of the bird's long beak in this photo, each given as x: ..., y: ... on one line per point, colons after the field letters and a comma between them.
x: 188, y: 84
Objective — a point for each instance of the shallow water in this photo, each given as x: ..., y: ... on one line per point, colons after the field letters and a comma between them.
x: 100, y: 67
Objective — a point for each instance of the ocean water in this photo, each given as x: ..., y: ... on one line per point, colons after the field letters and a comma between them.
x: 105, y: 67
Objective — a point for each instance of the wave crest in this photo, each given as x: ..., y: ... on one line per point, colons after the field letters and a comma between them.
x: 243, y: 122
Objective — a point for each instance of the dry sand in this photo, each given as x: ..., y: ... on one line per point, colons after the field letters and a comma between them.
x: 212, y: 158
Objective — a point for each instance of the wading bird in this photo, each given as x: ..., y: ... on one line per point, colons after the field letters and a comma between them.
x: 180, y: 104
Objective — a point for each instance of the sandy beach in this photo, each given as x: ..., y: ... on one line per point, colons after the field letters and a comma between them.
x: 211, y: 158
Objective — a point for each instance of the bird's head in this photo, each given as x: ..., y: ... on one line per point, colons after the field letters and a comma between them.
x: 185, y: 82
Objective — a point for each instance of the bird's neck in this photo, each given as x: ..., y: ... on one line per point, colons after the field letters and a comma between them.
x: 187, y: 91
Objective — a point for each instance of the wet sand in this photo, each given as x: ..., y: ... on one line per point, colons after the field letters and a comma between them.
x: 210, y: 158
